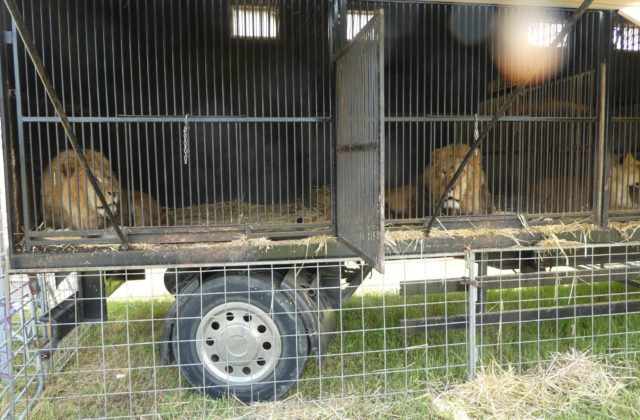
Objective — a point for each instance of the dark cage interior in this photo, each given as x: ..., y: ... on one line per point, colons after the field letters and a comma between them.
x: 207, y: 113
x: 450, y: 68
x: 218, y: 117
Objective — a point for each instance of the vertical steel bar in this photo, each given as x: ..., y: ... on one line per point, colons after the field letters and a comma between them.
x: 605, y: 146
x: 381, y: 142
x: 600, y: 158
x: 472, y: 300
x: 335, y: 34
x: 26, y: 225
x: 38, y: 127
x: 5, y: 286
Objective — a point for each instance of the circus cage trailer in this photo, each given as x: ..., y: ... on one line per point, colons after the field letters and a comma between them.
x: 272, y: 153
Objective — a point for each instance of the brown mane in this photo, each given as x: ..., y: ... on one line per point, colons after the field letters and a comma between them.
x: 68, y: 198
x: 470, y: 194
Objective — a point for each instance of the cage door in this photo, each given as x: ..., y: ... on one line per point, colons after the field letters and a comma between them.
x: 360, y: 143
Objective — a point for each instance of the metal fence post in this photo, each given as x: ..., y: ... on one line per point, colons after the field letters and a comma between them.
x: 472, y: 300
x: 5, y: 301
x: 604, y: 149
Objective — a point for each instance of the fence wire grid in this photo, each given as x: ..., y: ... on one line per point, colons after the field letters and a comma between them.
x: 425, y: 325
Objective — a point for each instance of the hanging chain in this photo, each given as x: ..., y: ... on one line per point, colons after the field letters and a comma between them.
x: 476, y: 128
x: 185, y: 139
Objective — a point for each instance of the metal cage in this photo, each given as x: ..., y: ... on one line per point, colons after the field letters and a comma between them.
x: 242, y: 166
x: 220, y: 120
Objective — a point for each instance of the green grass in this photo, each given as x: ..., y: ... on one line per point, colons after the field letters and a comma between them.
x: 118, y: 372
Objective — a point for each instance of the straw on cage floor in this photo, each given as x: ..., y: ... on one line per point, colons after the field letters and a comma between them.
x: 239, y: 212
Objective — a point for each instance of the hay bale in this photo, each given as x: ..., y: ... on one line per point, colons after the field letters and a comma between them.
x: 547, y: 391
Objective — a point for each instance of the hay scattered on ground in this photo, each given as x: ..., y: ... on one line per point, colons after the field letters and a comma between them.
x: 263, y: 244
x: 316, y: 245
x: 393, y: 239
x: 550, y: 390
x: 295, y: 408
x: 410, y: 405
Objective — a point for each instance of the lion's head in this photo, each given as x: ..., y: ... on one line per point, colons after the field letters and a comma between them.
x: 625, y: 173
x: 469, y: 194
x: 628, y: 172
x: 70, y: 200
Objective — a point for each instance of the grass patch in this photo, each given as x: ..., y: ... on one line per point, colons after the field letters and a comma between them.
x: 117, y: 371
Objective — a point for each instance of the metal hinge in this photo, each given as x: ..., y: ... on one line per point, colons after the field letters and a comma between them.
x: 360, y: 147
x: 7, y: 37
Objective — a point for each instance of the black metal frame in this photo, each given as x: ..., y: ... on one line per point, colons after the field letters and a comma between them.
x: 283, y: 251
x: 495, y: 319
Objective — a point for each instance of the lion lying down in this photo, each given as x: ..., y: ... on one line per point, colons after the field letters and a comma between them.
x: 70, y: 201
x: 140, y: 209
x: 400, y: 202
x: 574, y: 194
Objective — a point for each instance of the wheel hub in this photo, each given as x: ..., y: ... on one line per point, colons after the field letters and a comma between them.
x: 238, y: 343
x: 241, y: 343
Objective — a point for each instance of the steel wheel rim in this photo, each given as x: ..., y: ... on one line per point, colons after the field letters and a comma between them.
x: 238, y: 343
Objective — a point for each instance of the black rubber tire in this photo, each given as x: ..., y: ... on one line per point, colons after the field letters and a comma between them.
x: 257, y: 291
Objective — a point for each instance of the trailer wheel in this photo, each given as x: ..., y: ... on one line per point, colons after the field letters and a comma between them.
x: 240, y: 336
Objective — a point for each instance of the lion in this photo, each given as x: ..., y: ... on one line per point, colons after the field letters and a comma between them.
x: 574, y: 194
x: 624, y: 174
x: 140, y: 209
x: 401, y: 201
x: 69, y: 199
x: 469, y: 194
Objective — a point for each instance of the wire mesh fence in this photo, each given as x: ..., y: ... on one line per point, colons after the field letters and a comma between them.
x: 305, y: 333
